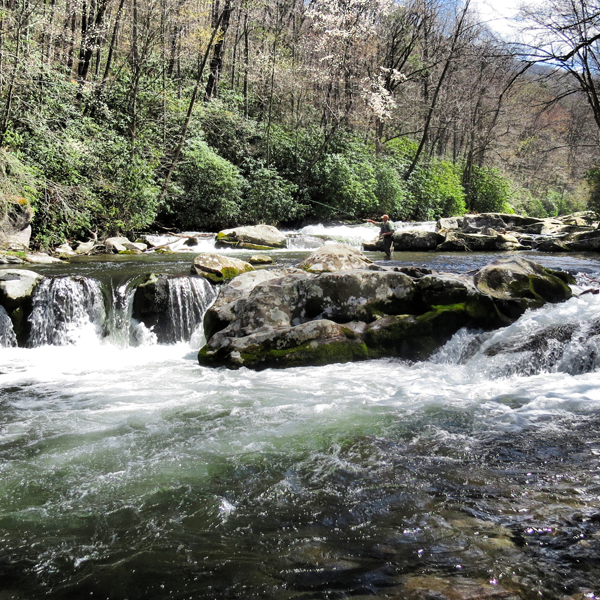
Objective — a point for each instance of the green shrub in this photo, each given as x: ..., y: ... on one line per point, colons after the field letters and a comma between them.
x: 344, y: 185
x: 390, y: 190
x: 487, y: 190
x: 269, y: 198
x: 211, y: 190
x: 436, y: 191
x: 593, y: 180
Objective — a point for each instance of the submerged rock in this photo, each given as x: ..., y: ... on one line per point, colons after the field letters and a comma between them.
x: 356, y: 314
x: 218, y: 268
x: 255, y: 237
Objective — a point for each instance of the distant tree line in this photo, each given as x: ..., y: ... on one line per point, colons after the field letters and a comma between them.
x: 118, y: 116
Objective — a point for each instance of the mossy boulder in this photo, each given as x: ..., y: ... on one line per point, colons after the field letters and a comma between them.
x: 294, y: 317
x: 516, y: 284
x: 218, y: 268
x: 335, y: 257
x: 253, y: 237
x: 317, y: 342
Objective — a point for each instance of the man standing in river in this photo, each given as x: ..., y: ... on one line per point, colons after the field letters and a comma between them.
x: 386, y: 231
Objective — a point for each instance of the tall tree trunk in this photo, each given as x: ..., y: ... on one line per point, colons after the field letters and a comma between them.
x: 216, y: 62
x: 432, y: 106
x: 188, y: 117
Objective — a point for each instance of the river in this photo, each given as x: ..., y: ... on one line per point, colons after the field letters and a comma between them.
x: 129, y: 472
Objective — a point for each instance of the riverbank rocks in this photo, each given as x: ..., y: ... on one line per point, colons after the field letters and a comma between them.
x: 124, y: 245
x: 218, y: 268
x: 16, y: 292
x: 293, y: 317
x: 499, y: 231
x: 334, y: 257
x: 16, y: 215
x: 416, y: 240
x: 253, y: 237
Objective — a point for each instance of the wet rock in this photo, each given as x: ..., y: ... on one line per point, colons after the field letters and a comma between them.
x: 519, y: 283
x: 256, y: 237
x: 385, y: 312
x: 335, y: 257
x: 16, y: 292
x: 431, y: 587
x: 417, y: 241
x: 217, y: 268
x: 85, y: 247
x: 317, y: 342
x: 151, y: 303
x: 8, y: 339
x: 16, y: 215
x: 479, y: 242
x: 260, y: 259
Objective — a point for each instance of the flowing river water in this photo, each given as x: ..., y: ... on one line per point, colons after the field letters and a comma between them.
x: 127, y: 471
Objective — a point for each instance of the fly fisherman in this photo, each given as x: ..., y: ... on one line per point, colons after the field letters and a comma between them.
x: 386, y: 231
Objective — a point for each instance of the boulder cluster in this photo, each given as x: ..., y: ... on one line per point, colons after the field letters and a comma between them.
x: 499, y: 232
x: 337, y: 306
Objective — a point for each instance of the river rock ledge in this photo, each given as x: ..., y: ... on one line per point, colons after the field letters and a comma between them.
x: 293, y: 317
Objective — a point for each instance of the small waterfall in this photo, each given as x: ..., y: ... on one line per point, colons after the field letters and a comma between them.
x: 8, y: 338
x: 66, y: 310
x: 120, y: 328
x: 172, y: 308
x: 189, y: 298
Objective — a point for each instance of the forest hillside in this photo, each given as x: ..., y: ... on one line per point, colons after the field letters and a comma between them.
x: 121, y: 116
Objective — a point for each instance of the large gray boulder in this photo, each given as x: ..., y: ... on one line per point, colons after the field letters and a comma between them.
x: 218, y: 268
x: 16, y: 215
x: 335, y: 257
x: 416, y: 240
x: 221, y: 313
x: 517, y: 283
x: 300, y: 318
x: 256, y: 237
x: 17, y: 287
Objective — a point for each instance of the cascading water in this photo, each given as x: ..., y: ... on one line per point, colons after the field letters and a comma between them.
x: 7, y: 334
x: 65, y: 309
x: 128, y: 471
x: 189, y: 298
